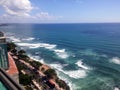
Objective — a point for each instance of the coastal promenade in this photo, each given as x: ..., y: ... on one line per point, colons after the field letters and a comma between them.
x: 12, y: 66
x: 41, y: 75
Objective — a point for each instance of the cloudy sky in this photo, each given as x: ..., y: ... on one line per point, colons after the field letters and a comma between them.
x: 59, y: 11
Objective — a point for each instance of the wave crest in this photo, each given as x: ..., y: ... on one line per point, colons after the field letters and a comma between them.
x: 76, y: 74
x: 116, y: 88
x: 14, y: 39
x: 59, y: 52
x: 81, y: 64
x: 115, y: 60
x: 29, y: 39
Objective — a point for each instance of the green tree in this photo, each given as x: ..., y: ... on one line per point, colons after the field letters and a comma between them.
x: 36, y: 64
x: 62, y: 84
x: 14, y: 51
x: 22, y: 55
x: 50, y: 73
x: 11, y: 46
x: 21, y: 52
x: 25, y: 79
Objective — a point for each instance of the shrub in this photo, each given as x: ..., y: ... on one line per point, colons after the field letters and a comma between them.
x: 21, y: 52
x: 11, y: 46
x: 62, y: 84
x: 23, y: 57
x: 28, y: 88
x: 50, y: 73
x: 25, y: 79
x: 36, y: 64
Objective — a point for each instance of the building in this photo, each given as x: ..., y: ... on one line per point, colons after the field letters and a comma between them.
x: 8, y: 70
x: 3, y: 52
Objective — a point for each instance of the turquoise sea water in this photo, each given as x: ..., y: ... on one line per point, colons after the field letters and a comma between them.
x: 86, y: 56
x: 2, y: 87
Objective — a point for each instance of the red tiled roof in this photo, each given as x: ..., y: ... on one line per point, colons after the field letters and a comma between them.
x: 12, y: 66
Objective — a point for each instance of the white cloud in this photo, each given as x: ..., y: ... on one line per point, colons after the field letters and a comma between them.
x: 19, y: 11
x: 46, y: 16
x: 17, y: 7
x: 2, y: 1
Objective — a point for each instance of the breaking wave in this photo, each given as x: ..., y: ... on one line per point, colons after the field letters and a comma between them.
x: 67, y: 80
x: 81, y: 65
x: 76, y: 74
x: 36, y: 58
x: 37, y: 45
x: 115, y: 60
x: 116, y: 88
x: 14, y: 39
x: 29, y: 39
x: 59, y: 52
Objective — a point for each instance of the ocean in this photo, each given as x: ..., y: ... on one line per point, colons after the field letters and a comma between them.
x: 86, y: 56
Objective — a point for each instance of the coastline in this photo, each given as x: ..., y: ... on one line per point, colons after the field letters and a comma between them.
x: 54, y: 79
x: 68, y: 82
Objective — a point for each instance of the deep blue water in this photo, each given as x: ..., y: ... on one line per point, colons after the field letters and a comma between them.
x: 86, y: 56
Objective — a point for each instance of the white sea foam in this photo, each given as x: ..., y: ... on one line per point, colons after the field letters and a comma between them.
x: 61, y: 53
x: 68, y: 81
x: 57, y: 66
x: 76, y: 74
x: 14, y: 39
x: 81, y: 64
x: 36, y: 58
x: 28, y: 39
x: 37, y: 45
x: 116, y: 88
x: 115, y: 60
x: 80, y: 73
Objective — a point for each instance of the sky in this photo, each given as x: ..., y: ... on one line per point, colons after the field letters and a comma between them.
x: 59, y: 11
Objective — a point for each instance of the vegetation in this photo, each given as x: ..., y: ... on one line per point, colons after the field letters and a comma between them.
x: 25, y: 79
x: 21, y: 52
x: 11, y: 46
x: 23, y: 57
x: 50, y: 73
x: 14, y: 51
x: 36, y: 64
x: 62, y: 84
x: 28, y: 87
x: 20, y: 66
